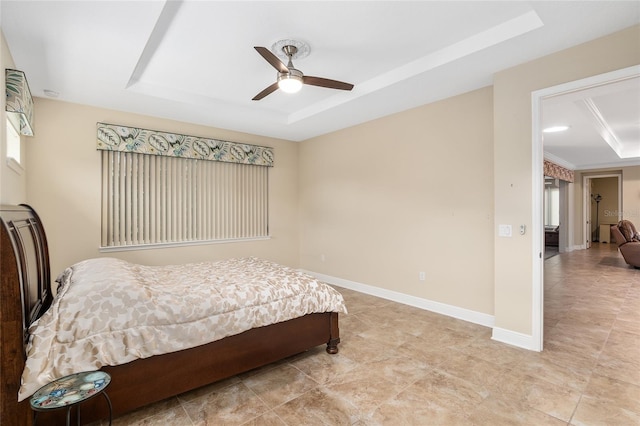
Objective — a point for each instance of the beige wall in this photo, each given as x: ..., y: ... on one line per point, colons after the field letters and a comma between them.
x: 64, y: 186
x: 410, y: 192
x: 514, y: 258
x: 13, y: 184
x: 372, y: 224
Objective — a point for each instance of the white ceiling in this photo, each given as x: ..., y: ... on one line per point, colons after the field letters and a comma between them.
x: 194, y: 60
x: 604, y: 125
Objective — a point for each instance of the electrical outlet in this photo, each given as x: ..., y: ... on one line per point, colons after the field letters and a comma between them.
x: 422, y: 276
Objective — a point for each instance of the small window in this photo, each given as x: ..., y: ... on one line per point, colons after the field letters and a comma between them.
x: 13, y: 142
x: 552, y: 207
x: 13, y: 147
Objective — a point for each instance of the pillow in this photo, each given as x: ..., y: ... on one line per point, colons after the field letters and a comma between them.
x: 627, y: 229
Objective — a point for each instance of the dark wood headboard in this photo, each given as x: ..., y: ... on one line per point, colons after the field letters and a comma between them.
x: 25, y: 294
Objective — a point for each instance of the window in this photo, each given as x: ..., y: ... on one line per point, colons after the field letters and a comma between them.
x: 551, y: 206
x: 13, y: 147
x: 151, y: 200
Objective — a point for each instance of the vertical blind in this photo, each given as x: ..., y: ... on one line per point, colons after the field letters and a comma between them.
x: 150, y: 199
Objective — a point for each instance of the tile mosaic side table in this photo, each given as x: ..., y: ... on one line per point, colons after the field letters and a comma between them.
x: 69, y: 391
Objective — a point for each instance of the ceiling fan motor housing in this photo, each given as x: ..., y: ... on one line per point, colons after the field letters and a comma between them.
x: 289, y: 50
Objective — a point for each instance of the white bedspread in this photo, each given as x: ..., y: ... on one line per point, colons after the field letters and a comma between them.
x: 110, y: 312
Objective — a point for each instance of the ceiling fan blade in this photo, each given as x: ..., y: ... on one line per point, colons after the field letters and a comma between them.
x: 266, y: 92
x: 325, y: 82
x: 272, y: 59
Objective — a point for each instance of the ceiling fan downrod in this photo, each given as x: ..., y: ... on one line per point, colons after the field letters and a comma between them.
x: 290, y: 50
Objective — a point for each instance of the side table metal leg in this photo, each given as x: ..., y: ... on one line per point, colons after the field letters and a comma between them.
x: 69, y: 415
x: 110, y: 408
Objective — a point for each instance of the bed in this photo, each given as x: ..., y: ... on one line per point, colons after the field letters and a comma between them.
x: 27, y: 301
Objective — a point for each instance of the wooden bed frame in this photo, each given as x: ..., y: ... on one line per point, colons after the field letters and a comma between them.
x: 25, y: 294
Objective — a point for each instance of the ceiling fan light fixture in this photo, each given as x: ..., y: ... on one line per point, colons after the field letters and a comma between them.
x: 290, y: 82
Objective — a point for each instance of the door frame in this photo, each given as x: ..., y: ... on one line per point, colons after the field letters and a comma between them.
x: 537, y: 225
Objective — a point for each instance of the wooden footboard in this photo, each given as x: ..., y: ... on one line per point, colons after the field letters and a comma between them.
x: 149, y: 380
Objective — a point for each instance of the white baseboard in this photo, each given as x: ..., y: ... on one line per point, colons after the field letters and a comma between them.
x: 513, y: 338
x: 429, y: 305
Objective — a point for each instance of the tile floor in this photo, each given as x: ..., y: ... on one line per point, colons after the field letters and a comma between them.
x: 400, y: 365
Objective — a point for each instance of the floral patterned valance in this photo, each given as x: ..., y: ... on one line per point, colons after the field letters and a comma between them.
x: 131, y: 139
x: 558, y: 172
x: 19, y: 105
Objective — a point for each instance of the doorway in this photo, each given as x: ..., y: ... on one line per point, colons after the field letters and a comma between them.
x: 538, y: 187
x: 602, y: 206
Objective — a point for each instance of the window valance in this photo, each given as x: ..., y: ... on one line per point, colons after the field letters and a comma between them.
x: 19, y: 105
x: 558, y: 172
x: 131, y: 139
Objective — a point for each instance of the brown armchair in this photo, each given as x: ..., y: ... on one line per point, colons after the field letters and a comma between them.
x: 628, y: 241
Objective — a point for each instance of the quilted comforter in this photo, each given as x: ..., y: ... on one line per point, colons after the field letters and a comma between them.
x: 110, y: 312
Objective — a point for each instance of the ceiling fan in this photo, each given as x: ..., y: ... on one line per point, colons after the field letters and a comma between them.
x: 290, y: 79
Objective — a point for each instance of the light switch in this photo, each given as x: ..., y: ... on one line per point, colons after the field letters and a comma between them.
x: 504, y: 230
